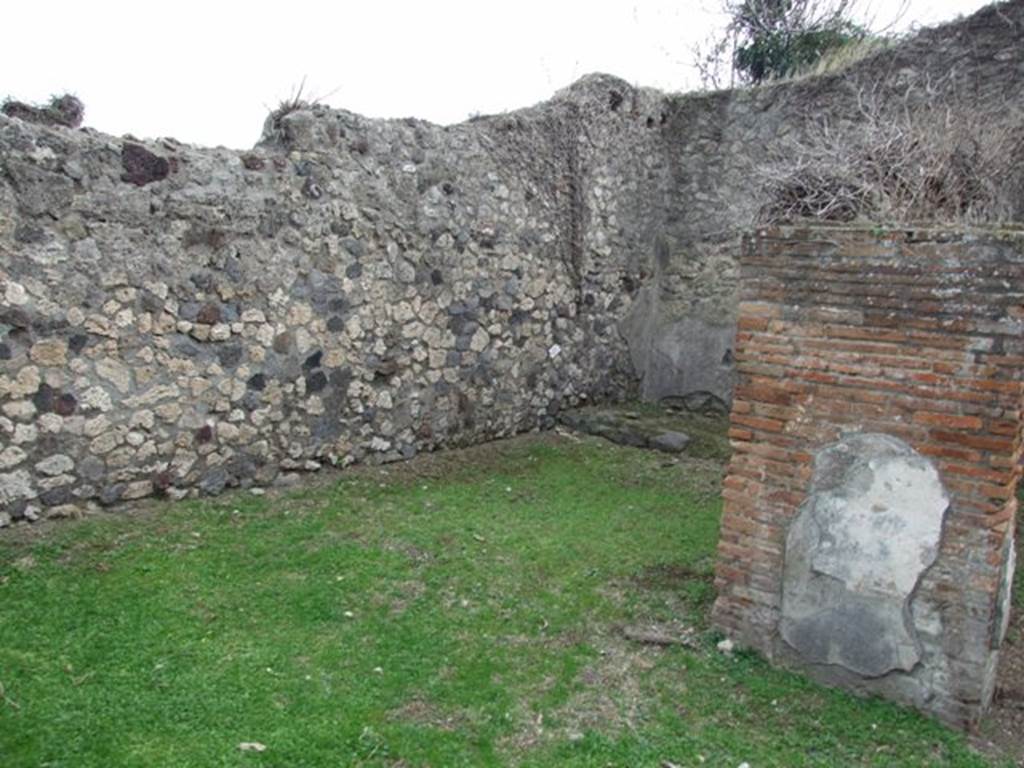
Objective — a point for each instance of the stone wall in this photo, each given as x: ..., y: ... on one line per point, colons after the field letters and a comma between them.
x: 681, y: 328
x: 176, y: 319
x: 870, y: 502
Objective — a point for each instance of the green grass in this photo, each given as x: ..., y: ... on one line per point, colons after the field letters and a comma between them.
x: 463, y: 610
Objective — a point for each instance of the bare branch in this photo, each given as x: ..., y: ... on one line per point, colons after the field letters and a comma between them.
x: 922, y: 154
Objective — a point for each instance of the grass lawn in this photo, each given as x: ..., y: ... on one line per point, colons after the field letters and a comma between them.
x: 464, y: 609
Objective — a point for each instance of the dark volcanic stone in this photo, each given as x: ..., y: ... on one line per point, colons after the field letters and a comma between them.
x: 91, y: 468
x: 77, y: 343
x: 56, y: 496
x: 313, y: 361
x: 44, y: 398
x: 230, y: 355
x: 209, y: 314
x: 355, y: 247
x: 340, y: 380
x: 162, y: 481
x: 111, y: 494
x: 15, y: 316
x: 142, y: 166
x: 253, y: 162
x: 189, y: 310
x: 214, y: 481
x: 316, y: 382
x: 283, y: 342
x: 29, y: 234
x: 185, y: 347
x: 16, y: 509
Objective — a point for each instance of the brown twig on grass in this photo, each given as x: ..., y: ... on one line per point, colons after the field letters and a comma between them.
x: 7, y: 699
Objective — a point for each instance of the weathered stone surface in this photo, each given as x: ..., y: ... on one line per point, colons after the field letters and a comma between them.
x: 670, y: 442
x: 50, y: 352
x: 645, y: 426
x: 681, y: 327
x: 11, y: 456
x: 855, y: 553
x: 57, y: 464
x: 15, y: 486
x: 116, y: 373
x: 141, y: 166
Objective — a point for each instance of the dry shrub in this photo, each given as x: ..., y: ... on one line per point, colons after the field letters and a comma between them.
x: 925, y: 155
x: 66, y: 109
x: 296, y: 100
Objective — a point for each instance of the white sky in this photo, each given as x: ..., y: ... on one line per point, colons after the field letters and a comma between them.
x: 206, y: 72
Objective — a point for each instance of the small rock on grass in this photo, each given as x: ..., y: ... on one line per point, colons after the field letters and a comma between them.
x: 670, y: 442
x: 252, y: 746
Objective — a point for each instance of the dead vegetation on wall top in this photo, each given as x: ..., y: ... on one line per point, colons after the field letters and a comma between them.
x: 928, y: 154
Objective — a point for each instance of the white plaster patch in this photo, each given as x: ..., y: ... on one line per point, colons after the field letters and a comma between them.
x: 856, y: 551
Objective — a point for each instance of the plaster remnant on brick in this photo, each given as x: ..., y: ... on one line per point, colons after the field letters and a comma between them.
x: 869, y: 528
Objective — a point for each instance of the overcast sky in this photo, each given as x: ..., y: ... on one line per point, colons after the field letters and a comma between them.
x: 206, y: 72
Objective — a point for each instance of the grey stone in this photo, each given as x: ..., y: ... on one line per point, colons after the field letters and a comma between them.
x: 288, y: 479
x: 111, y: 494
x: 39, y: 191
x: 57, y: 464
x: 56, y: 496
x: 11, y: 456
x: 116, y: 373
x: 92, y: 468
x: 670, y: 442
x: 214, y: 481
x: 15, y: 486
x: 855, y: 554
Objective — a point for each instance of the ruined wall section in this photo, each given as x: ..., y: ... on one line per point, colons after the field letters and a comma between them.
x: 865, y: 359
x: 176, y: 320
x: 680, y: 331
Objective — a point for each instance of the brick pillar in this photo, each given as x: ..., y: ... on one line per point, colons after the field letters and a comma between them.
x: 915, y: 334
